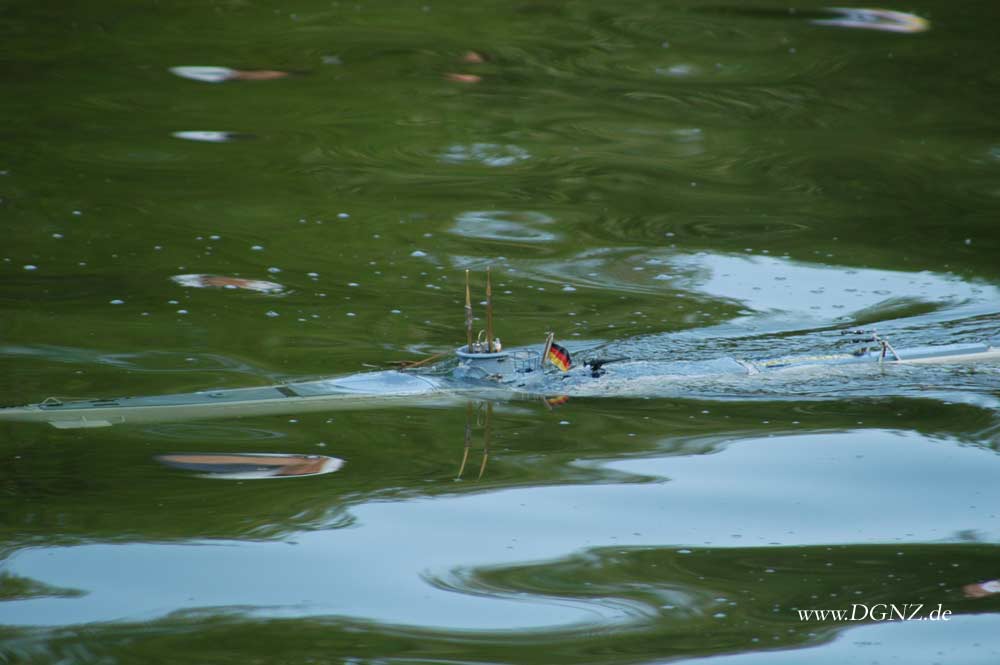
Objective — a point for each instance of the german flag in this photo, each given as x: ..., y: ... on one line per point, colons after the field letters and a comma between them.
x: 559, y: 357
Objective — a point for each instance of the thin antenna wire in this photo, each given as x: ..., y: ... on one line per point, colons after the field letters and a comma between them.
x: 489, y: 313
x: 549, y: 338
x: 468, y: 312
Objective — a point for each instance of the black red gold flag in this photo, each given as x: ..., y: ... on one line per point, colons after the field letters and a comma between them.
x: 559, y: 357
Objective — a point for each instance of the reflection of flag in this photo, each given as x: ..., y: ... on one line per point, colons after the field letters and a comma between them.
x: 559, y: 357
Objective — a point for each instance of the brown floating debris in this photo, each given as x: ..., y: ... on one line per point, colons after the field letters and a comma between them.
x: 222, y: 74
x: 223, y: 282
x: 463, y: 78
x: 885, y: 20
x: 251, y: 466
x: 211, y: 136
x: 259, y: 74
x: 982, y: 589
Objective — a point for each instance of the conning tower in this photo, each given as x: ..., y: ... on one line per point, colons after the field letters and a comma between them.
x: 483, y: 356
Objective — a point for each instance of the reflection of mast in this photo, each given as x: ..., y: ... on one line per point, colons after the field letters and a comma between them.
x: 468, y: 437
x: 487, y: 418
x: 468, y: 312
x: 486, y: 438
x: 489, y: 313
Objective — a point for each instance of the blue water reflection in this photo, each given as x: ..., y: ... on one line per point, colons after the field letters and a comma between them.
x: 847, y: 488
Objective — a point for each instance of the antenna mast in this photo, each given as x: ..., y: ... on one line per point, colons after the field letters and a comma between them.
x: 468, y: 312
x: 489, y: 313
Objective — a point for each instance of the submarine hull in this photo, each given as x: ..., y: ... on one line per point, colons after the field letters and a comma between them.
x: 501, y: 378
x: 358, y: 391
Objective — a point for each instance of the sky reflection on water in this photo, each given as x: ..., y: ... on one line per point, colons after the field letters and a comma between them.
x: 772, y: 492
x: 659, y: 180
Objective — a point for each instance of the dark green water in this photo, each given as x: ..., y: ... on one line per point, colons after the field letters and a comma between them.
x: 667, y: 179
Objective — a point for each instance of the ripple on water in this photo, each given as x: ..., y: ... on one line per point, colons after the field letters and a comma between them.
x: 198, y: 281
x: 504, y: 226
x: 486, y: 154
x: 731, y: 229
x: 144, y: 361
x: 211, y: 432
x: 767, y: 285
x: 142, y: 154
x: 211, y: 136
x: 883, y: 20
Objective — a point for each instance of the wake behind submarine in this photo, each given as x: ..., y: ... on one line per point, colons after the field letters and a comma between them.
x: 480, y: 369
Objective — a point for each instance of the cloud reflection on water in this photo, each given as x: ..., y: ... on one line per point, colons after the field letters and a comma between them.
x: 763, y: 492
x: 765, y: 285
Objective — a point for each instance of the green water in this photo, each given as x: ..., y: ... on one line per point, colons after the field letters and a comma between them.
x: 659, y: 179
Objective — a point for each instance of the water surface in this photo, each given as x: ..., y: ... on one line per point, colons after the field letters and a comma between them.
x: 658, y: 180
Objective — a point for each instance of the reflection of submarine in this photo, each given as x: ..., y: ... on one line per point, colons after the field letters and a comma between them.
x: 484, y: 414
x: 481, y: 369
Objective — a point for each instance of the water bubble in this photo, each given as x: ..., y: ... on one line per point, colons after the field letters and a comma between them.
x: 487, y: 154
x: 117, y: 301
x: 204, y: 74
x: 271, y: 314
x: 677, y: 70
x: 208, y: 136
x: 30, y: 267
